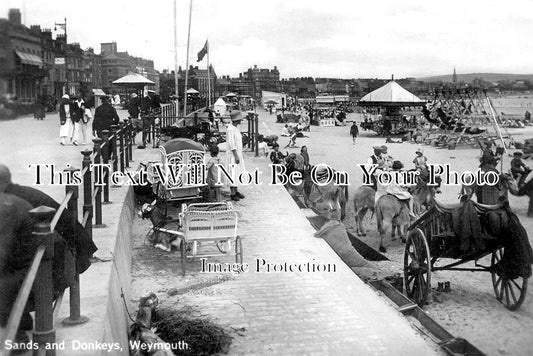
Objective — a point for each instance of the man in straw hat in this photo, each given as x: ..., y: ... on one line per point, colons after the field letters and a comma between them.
x: 374, y: 159
x: 234, y: 156
x: 420, y: 160
x: 376, y: 156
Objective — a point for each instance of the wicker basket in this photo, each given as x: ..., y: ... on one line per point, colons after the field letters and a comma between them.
x: 209, y: 221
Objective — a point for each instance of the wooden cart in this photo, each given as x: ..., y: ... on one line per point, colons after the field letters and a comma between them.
x: 432, y: 238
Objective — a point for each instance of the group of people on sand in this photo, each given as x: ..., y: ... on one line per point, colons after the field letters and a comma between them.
x: 384, y: 162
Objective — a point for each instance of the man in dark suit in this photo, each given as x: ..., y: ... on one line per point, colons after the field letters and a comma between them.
x: 67, y: 226
x: 104, y: 116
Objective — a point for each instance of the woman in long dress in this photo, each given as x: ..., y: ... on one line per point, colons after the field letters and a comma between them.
x: 67, y: 126
x: 234, y: 156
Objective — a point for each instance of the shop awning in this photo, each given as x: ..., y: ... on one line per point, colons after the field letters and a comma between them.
x: 30, y: 59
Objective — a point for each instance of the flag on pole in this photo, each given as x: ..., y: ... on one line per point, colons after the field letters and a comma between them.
x: 203, y: 52
x: 61, y: 25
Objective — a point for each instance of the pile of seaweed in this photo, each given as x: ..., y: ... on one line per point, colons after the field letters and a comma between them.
x: 202, y: 336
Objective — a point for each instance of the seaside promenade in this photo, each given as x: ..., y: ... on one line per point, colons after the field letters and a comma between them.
x: 278, y: 313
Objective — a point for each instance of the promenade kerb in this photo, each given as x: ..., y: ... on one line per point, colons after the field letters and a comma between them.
x: 114, y: 148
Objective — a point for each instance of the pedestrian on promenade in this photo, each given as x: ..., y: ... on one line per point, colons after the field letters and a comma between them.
x: 354, y: 131
x: 305, y: 155
x: 66, y: 128
x: 86, y: 118
x: 77, y: 113
x: 104, y: 116
x: 234, y: 155
x: 134, y: 111
x: 39, y: 112
x: 146, y: 109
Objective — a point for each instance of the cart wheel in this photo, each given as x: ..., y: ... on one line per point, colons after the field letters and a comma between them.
x: 238, y: 250
x: 510, y: 292
x: 417, y: 267
x: 183, y: 248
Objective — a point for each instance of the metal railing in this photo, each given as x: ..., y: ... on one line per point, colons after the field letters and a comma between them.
x: 168, y: 115
x: 114, y: 149
x: 162, y: 117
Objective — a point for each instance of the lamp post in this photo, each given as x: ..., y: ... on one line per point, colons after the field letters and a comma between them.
x: 64, y: 27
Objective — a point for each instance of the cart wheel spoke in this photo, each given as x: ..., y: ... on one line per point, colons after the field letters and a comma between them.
x: 502, y: 290
x: 516, y: 285
x: 506, y: 289
x: 498, y: 282
x: 417, y: 268
x: 511, y: 292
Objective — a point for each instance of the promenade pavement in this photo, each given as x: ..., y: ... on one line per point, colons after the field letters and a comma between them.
x: 279, y: 313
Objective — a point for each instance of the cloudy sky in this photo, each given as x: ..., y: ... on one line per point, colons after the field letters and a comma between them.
x: 331, y: 38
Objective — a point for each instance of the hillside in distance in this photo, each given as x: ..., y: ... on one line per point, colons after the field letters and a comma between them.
x: 469, y: 77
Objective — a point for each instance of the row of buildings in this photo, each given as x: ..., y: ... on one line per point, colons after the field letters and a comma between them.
x: 33, y: 63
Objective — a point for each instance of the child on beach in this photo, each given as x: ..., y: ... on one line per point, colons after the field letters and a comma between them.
x: 212, y: 167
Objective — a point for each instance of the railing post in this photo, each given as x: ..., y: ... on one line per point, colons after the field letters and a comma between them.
x: 125, y: 143
x: 44, y: 332
x: 114, y: 129
x: 97, y: 180
x: 87, y: 192
x: 131, y: 139
x: 105, y: 160
x: 120, y: 134
x: 156, y: 124
x: 74, y: 290
x: 151, y: 134
x: 256, y: 120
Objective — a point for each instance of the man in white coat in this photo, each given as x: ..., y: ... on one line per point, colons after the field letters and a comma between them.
x: 234, y: 156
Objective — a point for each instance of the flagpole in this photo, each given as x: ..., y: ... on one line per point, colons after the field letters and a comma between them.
x: 176, y: 87
x: 187, y: 62
x: 208, y: 78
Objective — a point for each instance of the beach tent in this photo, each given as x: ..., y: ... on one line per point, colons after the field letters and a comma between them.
x: 220, y: 107
x: 391, y: 94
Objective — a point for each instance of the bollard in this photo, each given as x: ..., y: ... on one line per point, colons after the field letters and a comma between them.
x: 87, y: 192
x: 97, y: 186
x: 44, y: 332
x: 74, y: 291
x: 105, y: 150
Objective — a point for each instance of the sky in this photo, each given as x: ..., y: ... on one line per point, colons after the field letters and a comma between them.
x: 331, y: 38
